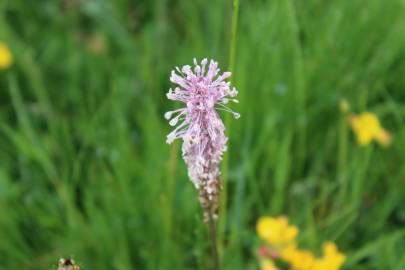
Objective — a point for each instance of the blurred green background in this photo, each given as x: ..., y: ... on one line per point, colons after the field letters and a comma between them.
x: 84, y: 168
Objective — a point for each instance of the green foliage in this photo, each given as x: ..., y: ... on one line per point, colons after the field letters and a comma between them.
x: 84, y: 168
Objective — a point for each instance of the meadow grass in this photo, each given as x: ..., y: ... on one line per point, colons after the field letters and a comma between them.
x: 84, y: 168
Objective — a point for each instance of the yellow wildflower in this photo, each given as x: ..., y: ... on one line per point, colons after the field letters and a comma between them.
x: 367, y: 127
x: 267, y: 264
x: 298, y: 259
x: 280, y: 236
x: 304, y: 261
x: 276, y: 230
x: 6, y: 59
x: 332, y: 259
x: 288, y: 253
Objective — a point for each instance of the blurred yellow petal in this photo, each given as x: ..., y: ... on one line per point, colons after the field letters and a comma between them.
x: 303, y: 260
x: 367, y: 127
x: 288, y: 253
x: 282, y: 221
x: 264, y: 227
x: 268, y: 265
x: 364, y: 137
x: 6, y: 59
x: 276, y: 231
x: 291, y: 233
x: 332, y: 259
x: 329, y: 248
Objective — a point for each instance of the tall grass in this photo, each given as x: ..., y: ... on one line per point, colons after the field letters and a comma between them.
x: 84, y: 168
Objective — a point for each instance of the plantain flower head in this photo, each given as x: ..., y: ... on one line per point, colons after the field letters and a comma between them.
x: 203, y: 92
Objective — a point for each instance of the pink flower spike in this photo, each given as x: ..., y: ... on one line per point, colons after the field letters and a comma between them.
x: 203, y: 93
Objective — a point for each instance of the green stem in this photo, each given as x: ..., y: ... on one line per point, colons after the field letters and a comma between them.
x: 342, y: 155
x: 234, y: 30
x: 231, y: 68
x: 214, y: 249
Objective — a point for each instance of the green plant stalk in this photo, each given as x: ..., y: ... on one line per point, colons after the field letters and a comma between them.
x: 167, y: 197
x: 361, y: 173
x: 214, y: 244
x: 234, y: 29
x: 299, y: 82
x: 225, y: 165
x: 342, y: 155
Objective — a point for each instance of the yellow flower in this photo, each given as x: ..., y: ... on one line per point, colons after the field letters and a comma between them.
x: 299, y: 259
x: 289, y: 253
x: 6, y: 59
x: 267, y: 264
x: 332, y: 259
x: 281, y: 237
x: 276, y: 230
x: 367, y: 127
x: 305, y: 260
